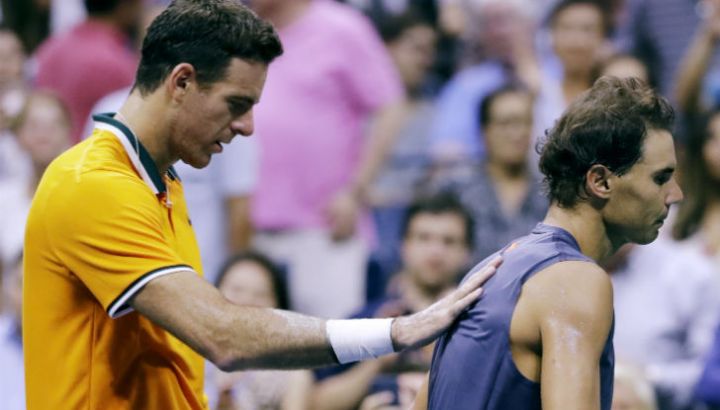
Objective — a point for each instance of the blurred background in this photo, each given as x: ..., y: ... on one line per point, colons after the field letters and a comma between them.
x: 395, y: 147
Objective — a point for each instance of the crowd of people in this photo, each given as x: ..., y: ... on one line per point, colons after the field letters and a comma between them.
x: 394, y: 147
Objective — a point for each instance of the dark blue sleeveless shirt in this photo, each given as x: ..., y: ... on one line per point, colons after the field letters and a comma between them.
x: 472, y: 365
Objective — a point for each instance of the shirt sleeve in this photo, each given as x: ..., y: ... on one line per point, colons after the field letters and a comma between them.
x: 108, y: 230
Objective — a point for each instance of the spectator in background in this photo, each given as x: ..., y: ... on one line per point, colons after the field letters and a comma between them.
x: 502, y: 193
x: 411, y: 41
x: 502, y: 51
x: 30, y: 19
x: 43, y: 132
x: 632, y: 391
x: 436, y: 241
x: 13, y: 161
x: 695, y: 64
x: 12, y: 379
x: 623, y: 66
x: 659, y: 33
x: 251, y: 279
x: 329, y: 113
x: 578, y: 30
x: 92, y: 59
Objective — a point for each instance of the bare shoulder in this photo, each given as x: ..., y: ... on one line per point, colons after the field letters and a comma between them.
x: 576, y: 290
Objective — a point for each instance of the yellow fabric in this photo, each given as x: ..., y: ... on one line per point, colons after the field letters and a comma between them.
x: 95, y: 228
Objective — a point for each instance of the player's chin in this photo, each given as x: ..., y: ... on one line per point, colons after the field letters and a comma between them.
x: 649, y: 236
x: 198, y: 161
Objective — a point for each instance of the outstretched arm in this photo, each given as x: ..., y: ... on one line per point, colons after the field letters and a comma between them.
x: 235, y: 337
x: 573, y: 302
x: 696, y: 61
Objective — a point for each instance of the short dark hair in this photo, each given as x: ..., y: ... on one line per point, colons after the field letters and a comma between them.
x: 603, y: 7
x: 441, y: 203
x: 487, y: 102
x: 606, y: 125
x: 277, y: 275
x: 392, y: 26
x: 100, y: 7
x: 206, y: 34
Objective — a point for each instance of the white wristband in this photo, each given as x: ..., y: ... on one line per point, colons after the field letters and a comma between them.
x: 360, y: 339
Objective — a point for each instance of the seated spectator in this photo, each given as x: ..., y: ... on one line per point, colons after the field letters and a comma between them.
x: 12, y: 379
x: 411, y: 42
x: 502, y: 193
x: 251, y: 279
x: 437, y: 238
x: 500, y: 50
x: 43, y: 132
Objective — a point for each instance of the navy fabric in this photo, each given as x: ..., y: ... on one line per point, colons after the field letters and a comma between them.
x: 472, y: 364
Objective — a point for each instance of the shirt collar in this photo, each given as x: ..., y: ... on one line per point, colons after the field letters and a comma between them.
x: 139, y: 156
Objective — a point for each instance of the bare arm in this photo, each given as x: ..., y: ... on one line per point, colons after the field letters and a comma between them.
x: 344, y: 207
x: 421, y: 401
x: 240, y: 229
x: 696, y: 61
x: 347, y: 389
x: 573, y: 304
x: 235, y: 337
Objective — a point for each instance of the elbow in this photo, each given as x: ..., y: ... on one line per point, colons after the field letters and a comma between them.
x: 222, y: 360
x: 222, y: 351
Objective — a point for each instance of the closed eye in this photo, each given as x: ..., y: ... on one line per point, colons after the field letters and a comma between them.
x: 662, y: 177
x: 239, y: 106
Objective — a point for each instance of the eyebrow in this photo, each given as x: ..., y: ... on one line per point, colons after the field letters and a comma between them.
x: 667, y: 170
x: 241, y: 100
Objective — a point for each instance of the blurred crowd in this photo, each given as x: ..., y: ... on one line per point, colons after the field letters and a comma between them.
x: 395, y: 147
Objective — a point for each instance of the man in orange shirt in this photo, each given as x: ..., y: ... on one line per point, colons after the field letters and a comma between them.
x: 116, y: 312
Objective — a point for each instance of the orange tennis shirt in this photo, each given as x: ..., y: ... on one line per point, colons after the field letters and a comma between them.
x: 104, y: 223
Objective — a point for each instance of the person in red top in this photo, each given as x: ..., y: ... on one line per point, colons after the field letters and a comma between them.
x: 93, y: 59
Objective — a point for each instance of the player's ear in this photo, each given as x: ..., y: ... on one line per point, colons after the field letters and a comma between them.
x: 598, y: 181
x: 180, y: 79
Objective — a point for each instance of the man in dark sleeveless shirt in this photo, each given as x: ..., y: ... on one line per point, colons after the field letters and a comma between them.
x: 541, y: 336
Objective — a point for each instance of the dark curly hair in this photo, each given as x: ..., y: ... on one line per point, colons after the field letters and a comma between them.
x: 206, y: 34
x: 606, y: 125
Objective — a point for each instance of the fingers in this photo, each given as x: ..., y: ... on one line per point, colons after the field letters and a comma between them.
x: 479, y: 277
x: 466, y: 301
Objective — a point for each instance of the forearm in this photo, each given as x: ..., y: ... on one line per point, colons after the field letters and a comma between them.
x: 345, y: 390
x: 240, y: 230
x: 693, y: 69
x: 272, y: 339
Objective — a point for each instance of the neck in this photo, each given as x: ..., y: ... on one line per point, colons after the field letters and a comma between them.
x: 286, y: 13
x: 107, y: 20
x: 419, y: 297
x: 575, y: 83
x: 585, y: 224
x: 140, y: 114
x: 38, y: 171
x: 500, y: 171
